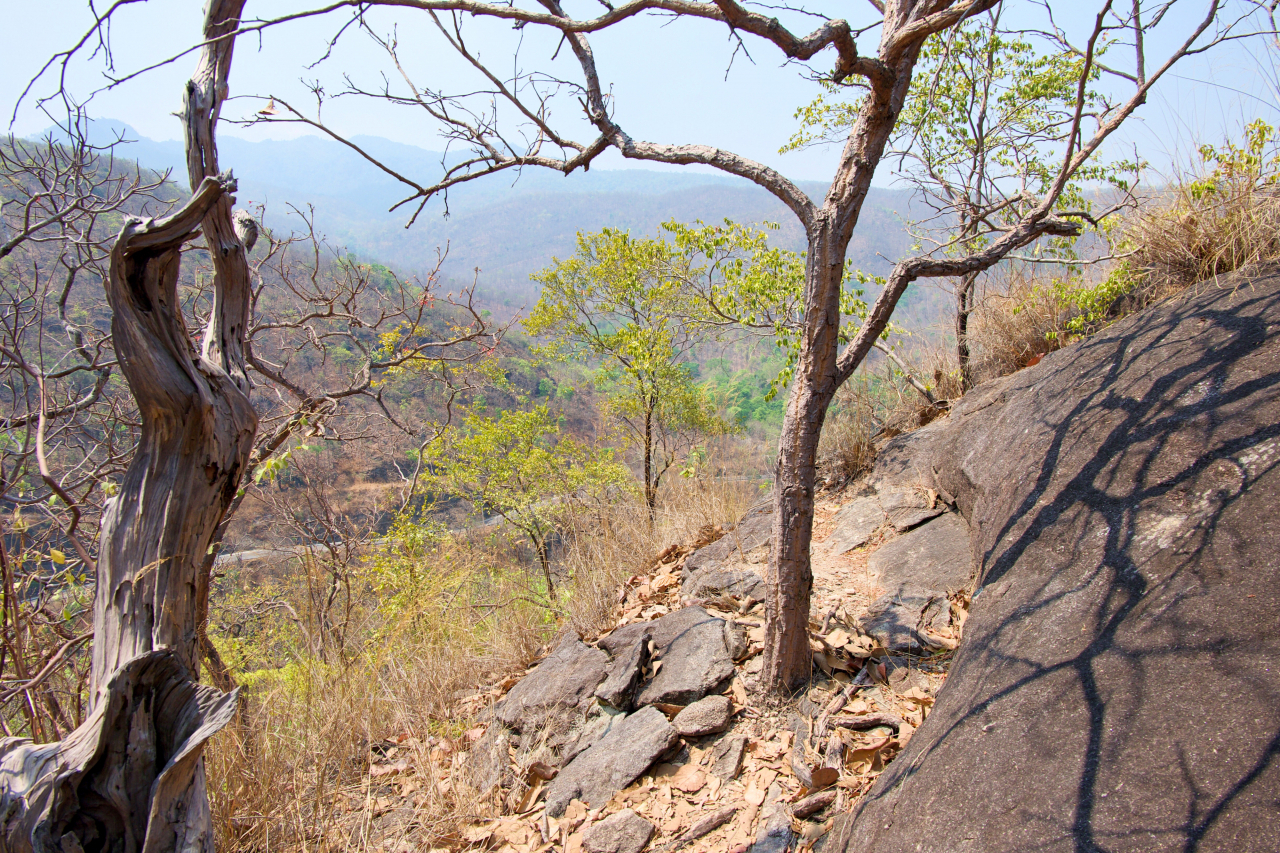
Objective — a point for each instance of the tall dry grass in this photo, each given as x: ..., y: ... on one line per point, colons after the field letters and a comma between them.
x: 437, y: 618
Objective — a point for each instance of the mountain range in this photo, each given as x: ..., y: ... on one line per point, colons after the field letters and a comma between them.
x: 501, y: 227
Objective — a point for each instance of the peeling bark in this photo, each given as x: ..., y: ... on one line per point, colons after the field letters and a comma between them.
x: 130, y: 778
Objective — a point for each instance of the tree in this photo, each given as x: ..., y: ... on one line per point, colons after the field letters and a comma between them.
x: 473, y: 120
x: 518, y: 467
x: 150, y: 717
x: 980, y: 138
x: 624, y: 301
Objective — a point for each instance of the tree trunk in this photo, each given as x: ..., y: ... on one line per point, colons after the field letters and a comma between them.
x: 650, y: 487
x: 787, y: 660
x: 964, y: 307
x: 131, y: 778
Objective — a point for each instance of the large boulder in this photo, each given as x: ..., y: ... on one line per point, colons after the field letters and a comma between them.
x: 935, y: 557
x: 564, y: 681
x: 1117, y: 686
x: 689, y: 643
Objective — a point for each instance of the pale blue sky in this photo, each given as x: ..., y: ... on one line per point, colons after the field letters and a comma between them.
x: 668, y: 79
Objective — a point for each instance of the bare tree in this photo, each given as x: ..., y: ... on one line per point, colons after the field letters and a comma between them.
x: 132, y: 776
x: 473, y: 122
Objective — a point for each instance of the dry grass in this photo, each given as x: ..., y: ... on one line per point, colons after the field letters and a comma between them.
x: 435, y: 620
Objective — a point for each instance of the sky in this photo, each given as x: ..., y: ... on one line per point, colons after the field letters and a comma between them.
x: 670, y: 81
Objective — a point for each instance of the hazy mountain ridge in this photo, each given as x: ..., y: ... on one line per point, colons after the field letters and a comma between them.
x: 507, y: 225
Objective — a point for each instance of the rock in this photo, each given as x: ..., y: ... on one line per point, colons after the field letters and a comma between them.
x: 727, y: 754
x: 1117, y: 685
x: 595, y: 727
x: 564, y: 680
x: 489, y: 761
x: 621, y: 832
x: 720, y: 568
x: 906, y: 506
x: 735, y: 640
x: 619, y: 686
x: 855, y: 524
x: 935, y: 558
x: 613, y: 762
x: 774, y: 834
x: 897, y: 620
x: 708, y: 716
x: 691, y: 645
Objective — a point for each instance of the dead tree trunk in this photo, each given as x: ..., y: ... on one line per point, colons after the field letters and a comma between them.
x: 131, y: 778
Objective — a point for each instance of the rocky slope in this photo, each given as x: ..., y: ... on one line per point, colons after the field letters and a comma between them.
x: 1117, y: 688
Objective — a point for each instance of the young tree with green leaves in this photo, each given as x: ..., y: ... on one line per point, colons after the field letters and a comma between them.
x: 519, y: 467
x: 980, y: 138
x: 625, y: 302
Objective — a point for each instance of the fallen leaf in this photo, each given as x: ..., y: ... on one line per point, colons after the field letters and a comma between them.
x: 378, y: 770
x: 754, y: 795
x: 689, y: 779
x: 837, y: 638
x: 823, y: 777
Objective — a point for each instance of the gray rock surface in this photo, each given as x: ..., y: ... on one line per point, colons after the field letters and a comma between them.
x: 594, y: 728
x: 619, y: 685
x: 709, y: 715
x: 897, y: 620
x: 564, y: 680
x: 613, y: 762
x: 735, y: 639
x: 621, y: 832
x: 727, y: 755
x: 488, y: 762
x: 1117, y: 687
x: 773, y: 835
x: 936, y: 557
x: 691, y: 645
x: 906, y: 505
x: 855, y: 524
x: 720, y: 568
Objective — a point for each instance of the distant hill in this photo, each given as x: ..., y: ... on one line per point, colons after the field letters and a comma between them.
x: 507, y: 225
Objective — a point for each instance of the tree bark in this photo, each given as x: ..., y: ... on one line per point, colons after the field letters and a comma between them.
x: 788, y: 662
x: 964, y: 307
x: 131, y: 778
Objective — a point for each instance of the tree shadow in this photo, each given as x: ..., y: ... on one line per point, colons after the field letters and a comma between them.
x: 1124, y: 486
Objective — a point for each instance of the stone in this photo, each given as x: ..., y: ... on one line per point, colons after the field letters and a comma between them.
x: 613, y: 762
x: 725, y: 566
x: 594, y: 728
x: 565, y: 680
x: 621, y: 832
x: 489, y: 760
x: 906, y: 506
x: 619, y: 686
x: 727, y: 755
x: 936, y: 558
x: 855, y: 524
x: 735, y: 640
x: 774, y: 833
x: 897, y: 619
x: 691, y: 645
x: 1117, y: 685
x: 708, y: 716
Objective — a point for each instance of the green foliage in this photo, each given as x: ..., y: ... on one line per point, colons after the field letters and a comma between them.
x: 628, y: 304
x: 520, y: 467
x: 983, y: 129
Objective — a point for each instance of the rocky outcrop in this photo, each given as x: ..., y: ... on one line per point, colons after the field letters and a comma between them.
x: 1116, y: 688
x: 728, y: 566
x: 690, y: 646
x: 613, y: 762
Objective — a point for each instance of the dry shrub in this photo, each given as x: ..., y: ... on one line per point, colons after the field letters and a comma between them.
x: 437, y: 617
x: 1222, y: 216
x: 1020, y: 318
x: 870, y: 408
